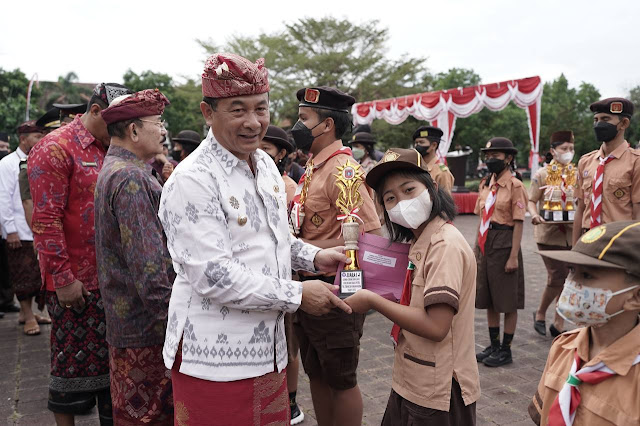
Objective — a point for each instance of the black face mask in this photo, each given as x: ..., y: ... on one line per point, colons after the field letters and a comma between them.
x: 605, y: 132
x: 176, y: 155
x: 423, y: 150
x: 495, y: 165
x: 302, y: 135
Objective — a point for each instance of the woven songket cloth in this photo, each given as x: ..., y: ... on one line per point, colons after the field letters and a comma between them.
x: 141, y: 104
x: 24, y: 271
x: 262, y: 400
x: 140, y: 387
x: 227, y: 74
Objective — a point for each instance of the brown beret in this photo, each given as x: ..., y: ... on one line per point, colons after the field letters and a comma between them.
x: 561, y: 136
x: 140, y: 104
x: 616, y: 106
x: 326, y: 98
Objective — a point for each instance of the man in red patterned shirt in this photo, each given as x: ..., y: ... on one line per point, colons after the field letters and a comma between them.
x: 63, y: 169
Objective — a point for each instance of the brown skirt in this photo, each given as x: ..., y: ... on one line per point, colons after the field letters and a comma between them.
x: 495, y: 289
x: 24, y: 271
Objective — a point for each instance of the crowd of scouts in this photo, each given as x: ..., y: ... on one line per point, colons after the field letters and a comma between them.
x: 186, y: 288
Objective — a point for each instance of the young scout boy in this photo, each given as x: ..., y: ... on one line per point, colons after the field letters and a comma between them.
x: 608, y: 178
x: 592, y: 375
x: 426, y: 140
x: 329, y: 344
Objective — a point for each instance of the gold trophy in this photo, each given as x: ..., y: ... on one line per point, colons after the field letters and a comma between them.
x: 553, y: 195
x: 569, y: 176
x: 349, y: 179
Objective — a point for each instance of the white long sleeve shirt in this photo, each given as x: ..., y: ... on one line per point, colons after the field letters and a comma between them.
x: 229, y: 240
x: 11, y: 211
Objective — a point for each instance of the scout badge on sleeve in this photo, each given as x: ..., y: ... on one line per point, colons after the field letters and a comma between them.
x: 349, y: 179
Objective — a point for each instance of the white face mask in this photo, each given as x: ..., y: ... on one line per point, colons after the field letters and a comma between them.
x: 358, y: 153
x: 564, y: 158
x: 585, y: 306
x: 412, y: 213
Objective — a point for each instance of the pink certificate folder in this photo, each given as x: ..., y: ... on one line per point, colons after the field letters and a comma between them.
x: 384, y: 265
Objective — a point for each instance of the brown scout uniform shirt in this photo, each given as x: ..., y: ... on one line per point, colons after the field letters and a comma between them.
x: 511, y: 201
x: 445, y: 273
x: 547, y: 233
x: 441, y: 175
x: 290, y: 187
x: 620, y: 184
x: 614, y: 401
x: 320, y: 222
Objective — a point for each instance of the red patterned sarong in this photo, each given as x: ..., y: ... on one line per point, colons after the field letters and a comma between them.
x: 140, y: 387
x: 260, y: 401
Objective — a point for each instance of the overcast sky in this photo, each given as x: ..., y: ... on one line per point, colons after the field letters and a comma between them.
x: 587, y: 40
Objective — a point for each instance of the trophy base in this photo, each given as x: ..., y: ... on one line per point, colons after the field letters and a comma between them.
x: 558, y: 215
x: 350, y: 282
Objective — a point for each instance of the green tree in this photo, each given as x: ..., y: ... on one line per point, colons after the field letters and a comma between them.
x: 13, y: 102
x: 66, y: 90
x: 184, y: 111
x: 332, y: 52
x: 633, y: 134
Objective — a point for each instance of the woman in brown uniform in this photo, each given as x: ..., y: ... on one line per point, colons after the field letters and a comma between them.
x: 435, y: 380
x: 501, y: 206
x: 550, y: 236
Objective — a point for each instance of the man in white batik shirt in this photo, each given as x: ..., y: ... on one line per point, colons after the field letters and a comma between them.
x: 224, y: 214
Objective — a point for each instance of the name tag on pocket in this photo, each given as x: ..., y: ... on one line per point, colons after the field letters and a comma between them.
x: 89, y: 164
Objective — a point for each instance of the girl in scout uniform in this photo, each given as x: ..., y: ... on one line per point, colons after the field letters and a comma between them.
x: 550, y: 236
x: 435, y: 377
x: 501, y: 206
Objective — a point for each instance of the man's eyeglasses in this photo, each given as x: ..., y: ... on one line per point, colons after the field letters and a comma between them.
x: 157, y: 123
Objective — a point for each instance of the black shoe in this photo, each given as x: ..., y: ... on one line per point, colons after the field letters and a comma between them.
x: 498, y: 358
x: 481, y: 356
x: 554, y: 331
x: 10, y: 308
x: 297, y: 416
x: 539, y: 326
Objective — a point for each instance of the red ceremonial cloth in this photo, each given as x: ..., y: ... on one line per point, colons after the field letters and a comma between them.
x: 140, y: 104
x: 140, y: 386
x: 465, y: 201
x: 28, y: 127
x: 262, y: 400
x: 227, y: 74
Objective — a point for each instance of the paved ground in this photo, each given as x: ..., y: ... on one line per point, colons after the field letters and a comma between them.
x: 506, y: 391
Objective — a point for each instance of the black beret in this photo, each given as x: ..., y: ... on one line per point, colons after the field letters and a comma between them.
x: 363, y: 138
x: 188, y: 137
x: 279, y: 137
x: 500, y: 144
x: 616, y: 106
x: 362, y: 128
x: 326, y: 98
x: 561, y: 136
x: 71, y: 109
x: 431, y: 133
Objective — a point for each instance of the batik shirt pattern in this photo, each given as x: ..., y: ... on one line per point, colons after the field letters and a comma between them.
x: 135, y: 271
x: 229, y: 239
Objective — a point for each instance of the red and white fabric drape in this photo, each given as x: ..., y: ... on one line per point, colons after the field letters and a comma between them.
x: 442, y: 108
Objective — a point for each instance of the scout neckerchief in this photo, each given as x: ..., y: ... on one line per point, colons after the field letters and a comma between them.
x: 596, y: 195
x: 297, y: 204
x: 563, y: 409
x: 405, y: 299
x: 487, y: 212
